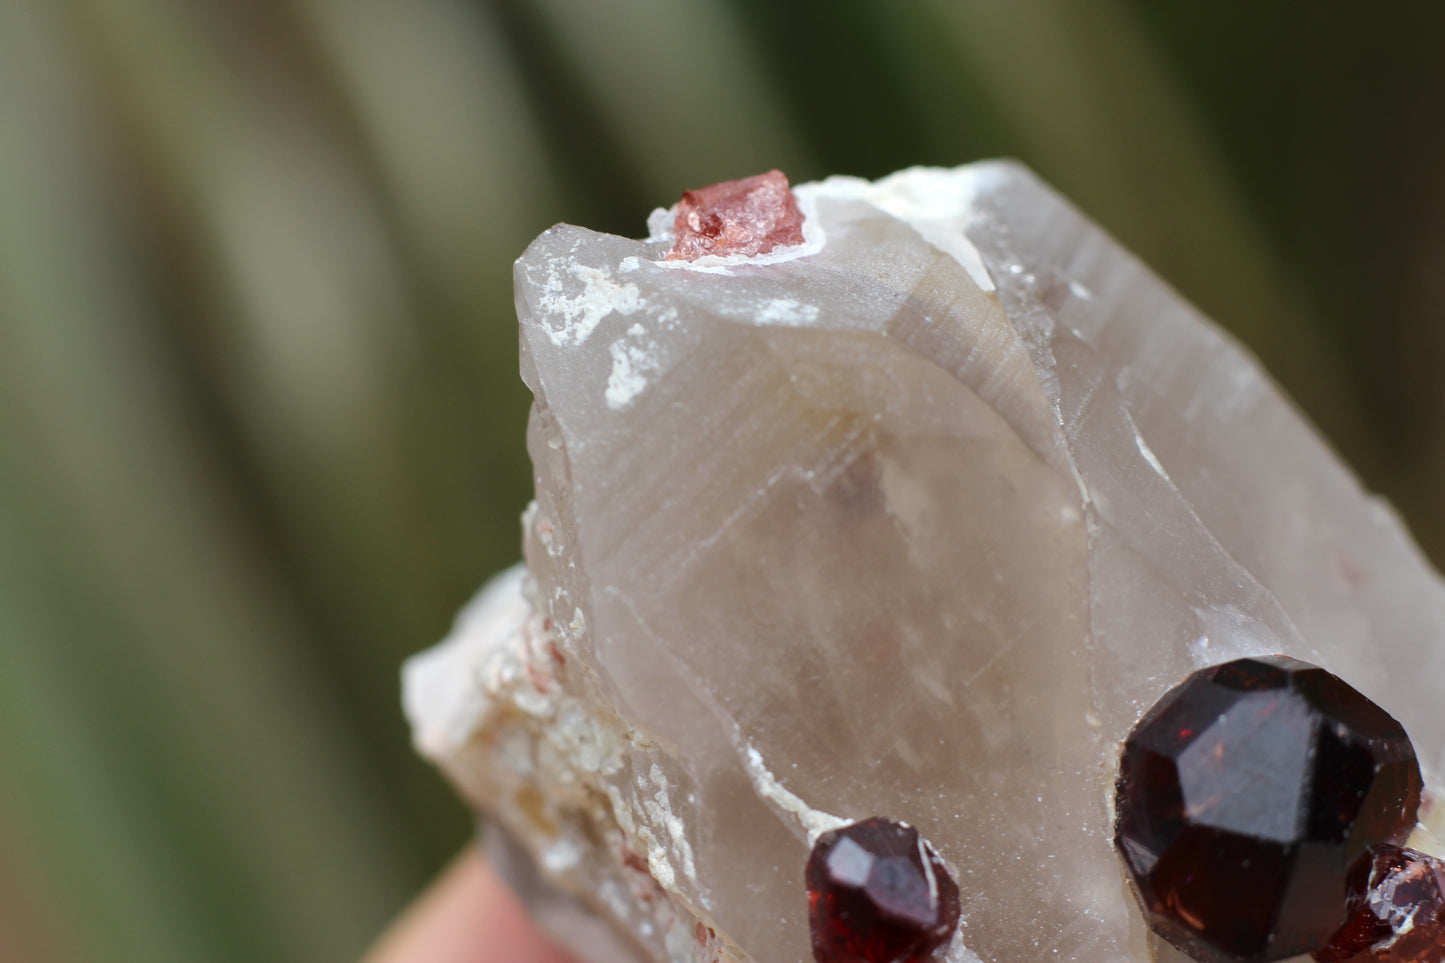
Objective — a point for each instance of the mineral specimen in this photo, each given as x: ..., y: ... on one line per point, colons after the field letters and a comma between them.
x: 916, y: 518
x: 1397, y: 911
x: 877, y: 893
x: 1245, y: 797
x: 747, y: 217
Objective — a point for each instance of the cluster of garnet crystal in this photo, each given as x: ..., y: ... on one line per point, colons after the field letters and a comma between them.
x: 1261, y: 805
x: 877, y: 893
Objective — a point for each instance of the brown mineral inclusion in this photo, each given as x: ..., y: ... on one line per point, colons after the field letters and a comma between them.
x: 749, y: 216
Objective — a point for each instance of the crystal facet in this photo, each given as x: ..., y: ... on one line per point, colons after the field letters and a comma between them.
x: 1396, y: 911
x: 744, y: 217
x: 1244, y: 797
x: 916, y: 517
x: 877, y: 893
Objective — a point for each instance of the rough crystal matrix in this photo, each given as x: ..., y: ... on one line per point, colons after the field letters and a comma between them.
x: 914, y: 519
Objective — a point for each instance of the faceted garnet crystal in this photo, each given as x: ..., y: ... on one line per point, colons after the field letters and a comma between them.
x: 1396, y: 910
x: 1244, y: 797
x: 749, y: 216
x: 877, y: 893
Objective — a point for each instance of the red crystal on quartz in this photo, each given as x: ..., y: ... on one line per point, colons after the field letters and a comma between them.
x: 877, y: 893
x: 749, y: 216
x: 1245, y: 797
x: 1396, y: 911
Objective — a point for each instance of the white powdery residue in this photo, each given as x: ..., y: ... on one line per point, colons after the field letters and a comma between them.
x: 815, y: 821
x: 580, y: 313
x: 631, y: 364
x: 787, y: 312
x: 936, y: 202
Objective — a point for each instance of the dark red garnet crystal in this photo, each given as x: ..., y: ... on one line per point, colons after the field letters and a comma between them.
x: 1245, y: 796
x: 1396, y: 911
x: 877, y: 893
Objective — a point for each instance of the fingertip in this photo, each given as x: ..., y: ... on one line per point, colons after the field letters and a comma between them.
x: 467, y: 916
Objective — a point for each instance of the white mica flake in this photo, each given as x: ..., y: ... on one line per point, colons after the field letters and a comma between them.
x: 788, y: 312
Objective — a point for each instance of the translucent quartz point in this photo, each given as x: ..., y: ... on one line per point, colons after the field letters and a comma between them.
x: 915, y: 519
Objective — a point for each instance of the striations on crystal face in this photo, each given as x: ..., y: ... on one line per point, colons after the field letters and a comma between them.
x: 743, y: 217
x: 1246, y: 794
x: 917, y: 517
x: 878, y: 893
x: 1396, y: 910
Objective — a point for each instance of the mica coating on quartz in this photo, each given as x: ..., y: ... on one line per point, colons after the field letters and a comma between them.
x: 915, y: 518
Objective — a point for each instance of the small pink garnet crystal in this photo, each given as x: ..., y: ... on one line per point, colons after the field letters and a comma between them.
x: 749, y: 216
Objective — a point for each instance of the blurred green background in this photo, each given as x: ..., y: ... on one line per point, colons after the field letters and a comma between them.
x: 261, y: 431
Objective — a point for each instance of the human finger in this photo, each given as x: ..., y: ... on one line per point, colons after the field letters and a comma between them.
x: 468, y: 915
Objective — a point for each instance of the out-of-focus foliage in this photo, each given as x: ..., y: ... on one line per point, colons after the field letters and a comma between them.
x: 260, y: 427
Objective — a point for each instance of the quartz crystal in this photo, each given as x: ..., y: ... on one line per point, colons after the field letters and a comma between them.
x: 1246, y: 795
x: 916, y: 519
